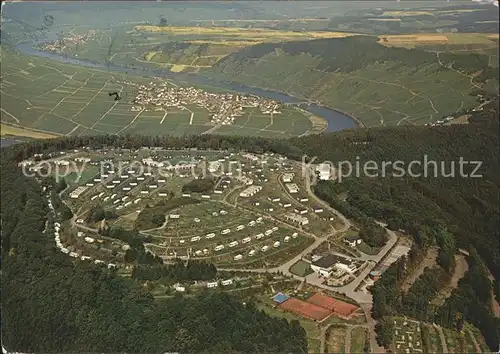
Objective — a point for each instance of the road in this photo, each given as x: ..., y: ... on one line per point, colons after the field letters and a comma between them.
x: 364, y: 298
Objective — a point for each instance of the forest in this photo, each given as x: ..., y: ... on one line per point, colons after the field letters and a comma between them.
x: 200, y: 185
x: 448, y: 212
x: 178, y: 271
x: 153, y: 216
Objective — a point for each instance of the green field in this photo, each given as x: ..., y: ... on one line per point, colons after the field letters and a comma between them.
x: 431, y: 339
x: 301, y: 268
x: 335, y: 339
x: 311, y: 328
x: 379, y: 94
x: 358, y: 340
x: 51, y: 97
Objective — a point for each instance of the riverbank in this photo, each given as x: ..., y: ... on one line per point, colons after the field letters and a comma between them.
x: 9, y: 131
x: 358, y: 122
x: 336, y: 120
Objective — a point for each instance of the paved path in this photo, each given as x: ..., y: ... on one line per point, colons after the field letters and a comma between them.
x: 364, y: 298
x: 348, y: 339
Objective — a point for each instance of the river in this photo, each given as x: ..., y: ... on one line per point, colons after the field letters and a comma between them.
x: 4, y: 142
x: 336, y: 120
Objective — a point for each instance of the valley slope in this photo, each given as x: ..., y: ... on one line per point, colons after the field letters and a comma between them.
x: 378, y: 85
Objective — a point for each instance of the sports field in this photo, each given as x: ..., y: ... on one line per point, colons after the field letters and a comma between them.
x: 305, y: 309
x: 53, y: 98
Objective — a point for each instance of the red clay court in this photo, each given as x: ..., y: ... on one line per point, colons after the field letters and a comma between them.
x: 333, y: 305
x: 305, y: 309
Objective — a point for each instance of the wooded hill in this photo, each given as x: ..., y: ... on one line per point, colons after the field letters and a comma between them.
x: 51, y: 303
x: 375, y: 83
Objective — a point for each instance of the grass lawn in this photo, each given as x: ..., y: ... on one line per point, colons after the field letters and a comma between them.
x: 358, y: 339
x: 301, y: 268
x: 335, y: 339
x: 363, y: 247
x: 431, y: 340
x: 312, y: 330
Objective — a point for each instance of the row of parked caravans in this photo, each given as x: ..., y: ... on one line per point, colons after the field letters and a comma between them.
x: 235, y: 243
x: 252, y: 252
x: 57, y: 238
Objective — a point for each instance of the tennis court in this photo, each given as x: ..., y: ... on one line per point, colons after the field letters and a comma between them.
x: 338, y: 307
x: 305, y: 309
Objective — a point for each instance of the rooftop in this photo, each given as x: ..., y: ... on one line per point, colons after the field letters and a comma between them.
x: 330, y: 260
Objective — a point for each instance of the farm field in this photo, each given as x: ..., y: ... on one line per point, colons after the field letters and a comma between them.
x: 358, y: 339
x: 363, y: 93
x: 430, y: 339
x: 259, y: 33
x: 479, y: 40
x: 455, y: 342
x: 197, y: 48
x: 8, y: 130
x: 43, y: 98
x: 407, y: 336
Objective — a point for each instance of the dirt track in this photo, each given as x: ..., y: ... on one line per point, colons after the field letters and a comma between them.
x: 461, y: 266
x: 428, y: 262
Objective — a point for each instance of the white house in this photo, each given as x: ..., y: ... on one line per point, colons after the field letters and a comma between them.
x: 325, y: 171
x: 298, y: 219
x: 292, y: 188
x: 287, y: 177
x: 250, y: 191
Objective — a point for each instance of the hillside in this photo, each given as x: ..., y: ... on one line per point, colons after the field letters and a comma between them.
x: 53, y: 303
x: 379, y: 85
x: 436, y: 210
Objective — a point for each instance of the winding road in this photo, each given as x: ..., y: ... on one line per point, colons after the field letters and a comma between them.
x: 364, y: 298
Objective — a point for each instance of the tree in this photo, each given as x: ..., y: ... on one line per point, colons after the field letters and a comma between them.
x: 384, y: 330
x: 163, y: 21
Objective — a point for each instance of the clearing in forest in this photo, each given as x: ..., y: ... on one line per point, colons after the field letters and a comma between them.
x: 429, y: 261
x: 461, y: 266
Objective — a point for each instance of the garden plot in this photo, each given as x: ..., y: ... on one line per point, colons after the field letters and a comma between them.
x: 407, y: 336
